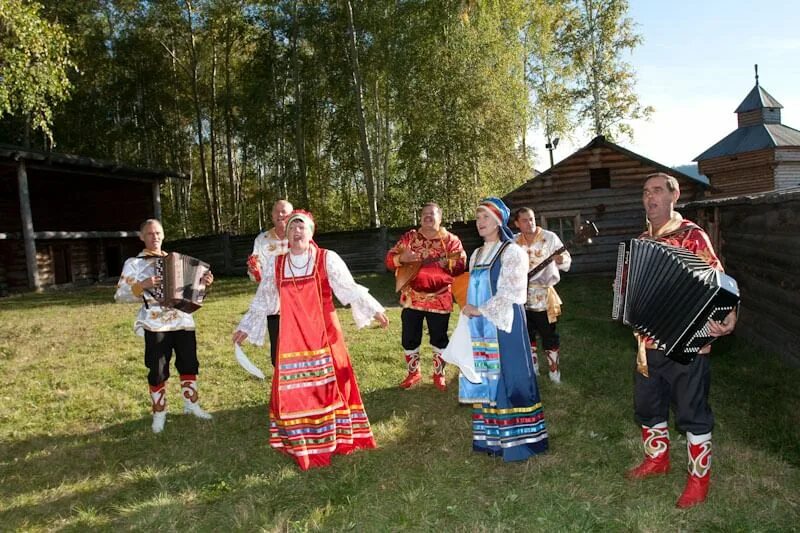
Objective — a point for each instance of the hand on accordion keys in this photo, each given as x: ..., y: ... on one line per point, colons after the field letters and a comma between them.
x: 208, y: 278
x: 720, y: 329
x: 149, y: 283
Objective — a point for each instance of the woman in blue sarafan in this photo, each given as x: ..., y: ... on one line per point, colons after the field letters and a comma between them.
x: 507, y: 420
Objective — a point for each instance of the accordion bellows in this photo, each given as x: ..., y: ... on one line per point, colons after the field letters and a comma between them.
x: 181, y: 286
x: 669, y: 294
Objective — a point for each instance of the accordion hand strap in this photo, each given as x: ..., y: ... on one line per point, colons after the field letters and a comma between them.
x: 641, y: 354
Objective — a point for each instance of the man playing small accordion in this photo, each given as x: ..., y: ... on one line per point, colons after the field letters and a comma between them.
x: 164, y: 329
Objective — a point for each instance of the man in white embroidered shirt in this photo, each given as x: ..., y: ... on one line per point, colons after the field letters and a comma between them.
x: 165, y: 330
x: 543, y: 305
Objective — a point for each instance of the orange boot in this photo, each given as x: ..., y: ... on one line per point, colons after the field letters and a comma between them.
x: 413, y: 377
x: 697, y: 483
x: 656, y: 453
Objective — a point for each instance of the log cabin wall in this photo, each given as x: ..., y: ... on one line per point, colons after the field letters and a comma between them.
x: 787, y: 167
x: 744, y: 173
x: 85, y: 214
x: 760, y: 248
x: 617, y: 211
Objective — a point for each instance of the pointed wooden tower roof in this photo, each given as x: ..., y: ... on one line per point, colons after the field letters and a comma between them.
x: 759, y: 127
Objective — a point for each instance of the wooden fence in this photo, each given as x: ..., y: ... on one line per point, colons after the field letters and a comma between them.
x: 758, y: 238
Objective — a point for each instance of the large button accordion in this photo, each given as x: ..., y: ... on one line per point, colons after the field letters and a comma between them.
x: 669, y: 294
x: 181, y: 286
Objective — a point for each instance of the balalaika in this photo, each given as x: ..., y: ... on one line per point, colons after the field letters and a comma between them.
x: 181, y: 286
x: 669, y: 294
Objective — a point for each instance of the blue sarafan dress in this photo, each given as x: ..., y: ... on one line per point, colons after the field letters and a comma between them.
x: 507, y: 419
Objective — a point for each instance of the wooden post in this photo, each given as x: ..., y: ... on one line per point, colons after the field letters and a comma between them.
x: 157, y: 200
x: 27, y: 227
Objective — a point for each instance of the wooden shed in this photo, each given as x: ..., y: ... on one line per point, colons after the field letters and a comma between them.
x: 69, y: 219
x: 601, y: 182
x: 761, y: 154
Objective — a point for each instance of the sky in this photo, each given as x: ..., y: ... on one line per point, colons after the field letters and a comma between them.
x: 696, y: 66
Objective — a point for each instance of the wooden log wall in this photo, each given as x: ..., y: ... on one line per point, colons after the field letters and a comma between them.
x: 745, y: 173
x: 760, y: 243
x: 617, y: 212
x: 787, y: 167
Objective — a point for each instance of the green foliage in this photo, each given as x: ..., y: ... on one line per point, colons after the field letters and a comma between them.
x: 77, y: 453
x: 606, y: 82
x: 254, y: 101
x: 34, y: 63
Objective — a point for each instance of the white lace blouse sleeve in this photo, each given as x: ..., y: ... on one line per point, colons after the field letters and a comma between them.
x: 512, y: 286
x: 266, y: 302
x: 347, y: 291
x: 131, y: 272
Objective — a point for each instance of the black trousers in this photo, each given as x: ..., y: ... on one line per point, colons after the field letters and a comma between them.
x: 685, y: 387
x: 158, y: 349
x: 273, y: 321
x: 412, y: 328
x: 538, y: 323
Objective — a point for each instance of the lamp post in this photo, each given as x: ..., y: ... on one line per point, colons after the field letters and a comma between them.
x: 551, y: 145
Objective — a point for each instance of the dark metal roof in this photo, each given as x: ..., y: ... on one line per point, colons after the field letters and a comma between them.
x: 74, y: 163
x: 750, y: 138
x: 757, y: 98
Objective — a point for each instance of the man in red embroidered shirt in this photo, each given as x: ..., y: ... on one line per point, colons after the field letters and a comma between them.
x: 436, y: 255
x: 660, y: 382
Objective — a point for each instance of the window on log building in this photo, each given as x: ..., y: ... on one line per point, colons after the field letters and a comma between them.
x: 562, y: 224
x: 600, y: 178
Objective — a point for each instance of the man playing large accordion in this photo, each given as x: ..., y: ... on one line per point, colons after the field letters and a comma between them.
x: 660, y: 381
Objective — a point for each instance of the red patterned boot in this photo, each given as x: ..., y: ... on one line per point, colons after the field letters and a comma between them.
x: 158, y: 395
x: 189, y: 392
x: 656, y: 453
x: 534, y: 358
x: 439, y: 377
x: 699, y: 470
x: 552, y: 361
x: 412, y: 362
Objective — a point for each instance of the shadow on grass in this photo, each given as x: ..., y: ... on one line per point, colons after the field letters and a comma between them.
x: 123, y: 471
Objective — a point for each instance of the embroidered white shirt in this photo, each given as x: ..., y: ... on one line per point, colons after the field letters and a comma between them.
x: 151, y: 316
x: 547, y: 243
x: 267, y: 301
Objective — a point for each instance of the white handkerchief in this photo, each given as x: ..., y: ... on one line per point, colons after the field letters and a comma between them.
x: 459, y: 350
x: 246, y: 363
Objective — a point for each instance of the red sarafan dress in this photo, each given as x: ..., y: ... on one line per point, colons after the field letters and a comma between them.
x: 316, y: 409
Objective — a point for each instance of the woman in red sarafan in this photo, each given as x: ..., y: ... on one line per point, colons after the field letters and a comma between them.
x: 316, y: 409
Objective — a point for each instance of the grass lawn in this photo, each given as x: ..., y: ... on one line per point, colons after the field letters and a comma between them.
x: 77, y: 453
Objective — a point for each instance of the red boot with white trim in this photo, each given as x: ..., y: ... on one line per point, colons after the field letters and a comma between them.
x: 189, y: 392
x: 656, y: 453
x: 696, y: 489
x: 412, y: 362
x: 439, y: 377
x: 158, y: 395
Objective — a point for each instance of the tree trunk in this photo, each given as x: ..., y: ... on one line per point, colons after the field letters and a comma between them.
x: 299, y: 133
x: 199, y: 117
x: 366, y: 157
